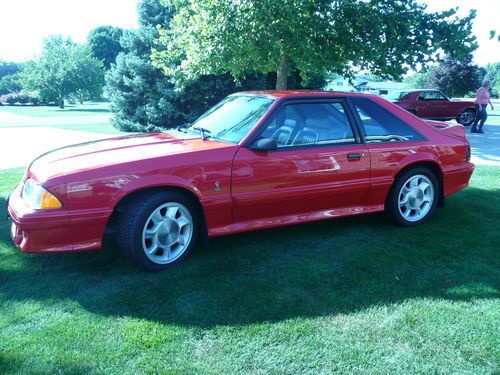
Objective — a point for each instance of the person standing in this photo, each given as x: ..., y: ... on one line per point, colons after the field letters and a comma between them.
x: 482, y: 100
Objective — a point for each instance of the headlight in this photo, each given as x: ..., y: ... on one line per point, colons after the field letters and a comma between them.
x: 37, y: 197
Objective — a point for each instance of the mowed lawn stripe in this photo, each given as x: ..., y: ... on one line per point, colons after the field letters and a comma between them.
x: 90, y: 117
x: 347, y: 295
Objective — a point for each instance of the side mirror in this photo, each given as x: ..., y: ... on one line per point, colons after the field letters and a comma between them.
x: 264, y: 145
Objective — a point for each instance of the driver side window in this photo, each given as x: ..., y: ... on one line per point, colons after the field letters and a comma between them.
x: 307, y: 124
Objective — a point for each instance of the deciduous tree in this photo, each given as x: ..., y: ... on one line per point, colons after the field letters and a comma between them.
x: 104, y: 42
x: 9, y: 77
x: 454, y: 77
x: 64, y: 69
x: 385, y: 37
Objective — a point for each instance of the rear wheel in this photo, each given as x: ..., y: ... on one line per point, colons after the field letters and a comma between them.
x: 158, y: 230
x: 413, y: 197
x: 466, y: 118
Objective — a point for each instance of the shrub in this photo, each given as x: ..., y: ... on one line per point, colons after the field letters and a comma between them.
x: 23, y: 98
x: 10, y: 98
x: 34, y: 99
x: 20, y: 97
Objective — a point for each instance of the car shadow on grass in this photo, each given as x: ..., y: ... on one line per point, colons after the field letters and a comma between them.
x: 317, y: 269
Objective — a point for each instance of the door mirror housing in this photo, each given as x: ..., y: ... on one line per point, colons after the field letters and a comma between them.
x: 264, y: 145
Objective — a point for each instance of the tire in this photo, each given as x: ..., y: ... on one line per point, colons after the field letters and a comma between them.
x: 158, y: 230
x: 466, y: 118
x: 413, y: 197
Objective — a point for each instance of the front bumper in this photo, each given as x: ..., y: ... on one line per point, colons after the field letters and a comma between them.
x: 37, y: 231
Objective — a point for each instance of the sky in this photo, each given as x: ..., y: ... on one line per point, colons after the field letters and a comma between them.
x: 25, y: 23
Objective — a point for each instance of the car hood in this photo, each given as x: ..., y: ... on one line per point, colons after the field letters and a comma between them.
x: 118, y: 150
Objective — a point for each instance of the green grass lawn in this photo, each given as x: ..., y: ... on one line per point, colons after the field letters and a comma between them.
x: 90, y: 117
x: 86, y: 109
x: 353, y: 295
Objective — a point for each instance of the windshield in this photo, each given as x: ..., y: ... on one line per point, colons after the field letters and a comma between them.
x: 232, y: 119
x: 396, y: 95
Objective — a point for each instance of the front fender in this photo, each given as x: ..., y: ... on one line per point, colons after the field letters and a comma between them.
x: 152, y: 181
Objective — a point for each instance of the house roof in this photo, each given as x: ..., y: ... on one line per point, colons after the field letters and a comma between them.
x: 384, y: 85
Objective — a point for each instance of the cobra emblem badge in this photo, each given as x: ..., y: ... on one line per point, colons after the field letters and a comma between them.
x: 217, y: 186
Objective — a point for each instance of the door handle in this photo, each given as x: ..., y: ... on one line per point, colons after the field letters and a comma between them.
x: 355, y: 156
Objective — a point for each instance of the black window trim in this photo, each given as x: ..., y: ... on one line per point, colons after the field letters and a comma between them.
x: 358, y: 140
x: 361, y: 128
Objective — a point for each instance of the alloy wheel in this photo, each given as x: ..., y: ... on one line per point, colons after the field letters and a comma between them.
x: 167, y: 233
x: 416, y: 197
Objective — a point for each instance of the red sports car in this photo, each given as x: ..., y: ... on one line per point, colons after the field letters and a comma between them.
x: 255, y: 160
x: 434, y: 105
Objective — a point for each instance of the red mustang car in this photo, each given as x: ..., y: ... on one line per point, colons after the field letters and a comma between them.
x: 434, y: 105
x: 255, y: 160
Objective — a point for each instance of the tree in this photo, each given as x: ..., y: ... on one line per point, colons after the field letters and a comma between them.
x: 10, y: 84
x: 141, y: 95
x: 454, y: 77
x: 385, y: 37
x: 492, y: 74
x: 143, y: 98
x: 417, y: 80
x: 104, y: 42
x: 8, y: 68
x: 9, y: 77
x: 64, y: 69
x: 152, y: 13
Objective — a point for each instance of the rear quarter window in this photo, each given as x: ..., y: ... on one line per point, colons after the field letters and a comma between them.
x: 380, y: 125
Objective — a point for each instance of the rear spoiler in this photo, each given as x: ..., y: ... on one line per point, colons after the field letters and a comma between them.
x: 452, y: 130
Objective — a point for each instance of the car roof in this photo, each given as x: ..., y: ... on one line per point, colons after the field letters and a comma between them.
x: 301, y: 93
x: 420, y: 90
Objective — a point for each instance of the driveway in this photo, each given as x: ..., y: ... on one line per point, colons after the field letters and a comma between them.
x: 20, y: 145
x: 486, y: 147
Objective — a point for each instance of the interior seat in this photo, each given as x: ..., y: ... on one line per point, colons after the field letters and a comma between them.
x: 306, y: 136
x: 283, y: 134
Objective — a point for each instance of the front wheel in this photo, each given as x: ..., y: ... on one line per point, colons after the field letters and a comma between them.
x: 158, y: 230
x: 466, y: 118
x: 413, y: 197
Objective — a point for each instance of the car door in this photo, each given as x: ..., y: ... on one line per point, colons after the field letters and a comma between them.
x: 433, y: 104
x: 319, y: 164
x: 423, y: 105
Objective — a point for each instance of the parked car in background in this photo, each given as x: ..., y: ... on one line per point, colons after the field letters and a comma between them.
x: 434, y: 105
x: 256, y: 160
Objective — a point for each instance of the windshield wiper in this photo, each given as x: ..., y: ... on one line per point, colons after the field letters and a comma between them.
x: 204, y: 132
x: 182, y: 128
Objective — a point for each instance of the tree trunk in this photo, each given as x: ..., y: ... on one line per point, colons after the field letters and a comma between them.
x: 282, y: 78
x: 61, y: 102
